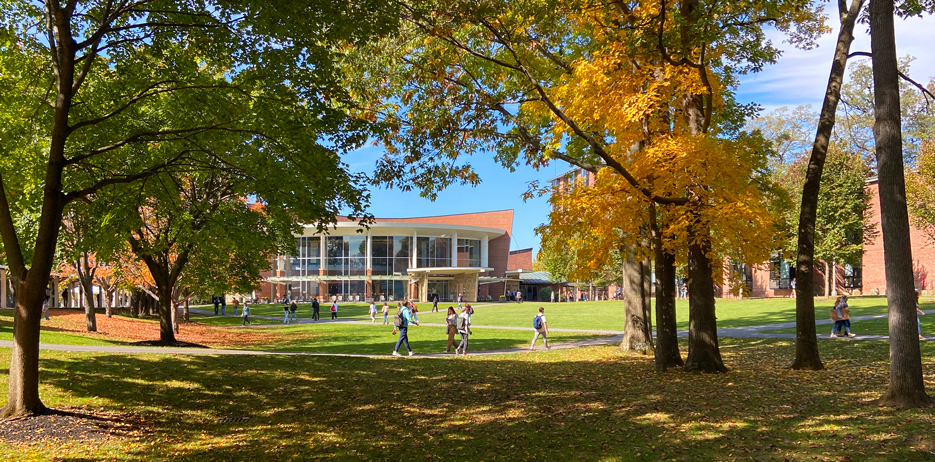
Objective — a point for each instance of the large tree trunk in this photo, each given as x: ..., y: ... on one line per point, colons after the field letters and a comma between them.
x: 806, y: 339
x: 109, y: 299
x: 704, y: 355
x: 166, y: 316
x: 637, y: 334
x: 667, y: 342
x: 906, y: 387
x: 23, y: 393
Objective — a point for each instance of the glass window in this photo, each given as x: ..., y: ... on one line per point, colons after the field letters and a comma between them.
x: 442, y: 252
x: 779, y: 272
x: 401, y: 246
x: 853, y: 277
x: 469, y: 253
x: 312, y: 247
x: 356, y: 245
x: 379, y: 246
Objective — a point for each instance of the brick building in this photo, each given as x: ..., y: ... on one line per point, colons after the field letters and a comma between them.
x: 397, y: 259
x: 774, y: 278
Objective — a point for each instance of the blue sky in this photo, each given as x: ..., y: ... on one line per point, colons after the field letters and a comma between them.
x: 799, y: 78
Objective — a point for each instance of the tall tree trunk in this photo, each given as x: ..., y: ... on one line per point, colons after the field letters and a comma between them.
x: 166, y: 316
x: 109, y: 298
x: 906, y: 387
x: 704, y: 354
x: 637, y: 335
x: 86, y: 278
x: 23, y: 394
x: 667, y: 341
x: 827, y: 273
x: 806, y: 335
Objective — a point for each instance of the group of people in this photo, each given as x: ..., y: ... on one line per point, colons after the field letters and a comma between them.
x: 841, y: 316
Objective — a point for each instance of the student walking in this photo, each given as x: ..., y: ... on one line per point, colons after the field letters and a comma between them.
x: 223, y: 306
x: 292, y: 309
x: 285, y: 312
x: 451, y: 322
x: 234, y: 304
x: 470, y: 312
x: 435, y: 303
x: 542, y: 328
x: 217, y: 304
x: 246, y: 315
x: 386, y: 312
x: 519, y: 297
x: 373, y: 311
x: 45, y: 309
x: 464, y: 330
x: 460, y: 301
x: 401, y: 324
x: 334, y: 310
x: 315, y: 310
x: 844, y: 318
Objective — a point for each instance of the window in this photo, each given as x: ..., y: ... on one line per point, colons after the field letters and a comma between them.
x: 779, y: 272
x: 433, y: 252
x: 853, y: 277
x: 469, y: 253
x: 307, y: 258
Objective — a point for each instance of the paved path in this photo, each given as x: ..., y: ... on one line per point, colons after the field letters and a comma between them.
x: 610, y: 337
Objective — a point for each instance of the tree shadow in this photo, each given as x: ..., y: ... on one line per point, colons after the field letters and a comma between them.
x: 588, y: 405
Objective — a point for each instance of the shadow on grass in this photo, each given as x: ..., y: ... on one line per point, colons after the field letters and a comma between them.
x: 588, y: 405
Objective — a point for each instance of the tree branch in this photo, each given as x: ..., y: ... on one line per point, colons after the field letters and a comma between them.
x: 11, y: 248
x: 595, y: 145
x: 120, y: 180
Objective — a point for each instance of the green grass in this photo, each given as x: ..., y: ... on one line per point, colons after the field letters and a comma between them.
x: 593, y: 404
x: 367, y: 338
x: 608, y: 315
x: 61, y: 338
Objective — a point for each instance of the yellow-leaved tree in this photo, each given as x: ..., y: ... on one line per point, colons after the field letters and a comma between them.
x: 638, y: 93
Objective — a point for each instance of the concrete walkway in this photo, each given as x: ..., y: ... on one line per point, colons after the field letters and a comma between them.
x: 610, y: 337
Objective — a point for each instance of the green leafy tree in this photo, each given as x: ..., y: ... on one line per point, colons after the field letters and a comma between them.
x: 80, y: 77
x: 842, y: 223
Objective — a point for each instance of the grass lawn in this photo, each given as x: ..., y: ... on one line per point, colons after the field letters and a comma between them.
x: 68, y: 327
x: 608, y: 315
x: 592, y: 404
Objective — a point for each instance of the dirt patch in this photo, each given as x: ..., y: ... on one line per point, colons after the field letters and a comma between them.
x: 71, y: 424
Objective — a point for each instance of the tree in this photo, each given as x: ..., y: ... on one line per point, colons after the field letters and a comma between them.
x: 841, y: 217
x: 617, y: 87
x: 77, y: 74
x: 920, y: 191
x: 906, y: 387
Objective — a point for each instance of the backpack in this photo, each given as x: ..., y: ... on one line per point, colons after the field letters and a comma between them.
x: 537, y: 322
x: 399, y: 320
x: 459, y: 323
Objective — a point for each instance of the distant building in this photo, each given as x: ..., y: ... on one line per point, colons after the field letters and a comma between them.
x: 398, y: 259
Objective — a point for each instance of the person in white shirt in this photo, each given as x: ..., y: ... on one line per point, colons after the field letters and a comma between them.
x: 541, y: 328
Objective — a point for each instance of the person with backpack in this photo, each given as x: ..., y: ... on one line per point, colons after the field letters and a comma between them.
x: 246, y: 315
x: 373, y: 311
x: 541, y: 328
x: 451, y: 322
x: 292, y: 309
x: 386, y: 312
x: 334, y: 310
x: 217, y: 304
x: 285, y: 313
x: 401, y: 324
x: 470, y: 312
x: 462, y: 326
x: 315, y: 309
x: 224, y: 306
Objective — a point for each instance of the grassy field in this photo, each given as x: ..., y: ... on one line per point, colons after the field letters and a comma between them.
x: 365, y: 337
x: 592, y: 404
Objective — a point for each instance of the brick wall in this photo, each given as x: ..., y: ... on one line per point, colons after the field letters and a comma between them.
x: 520, y: 260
